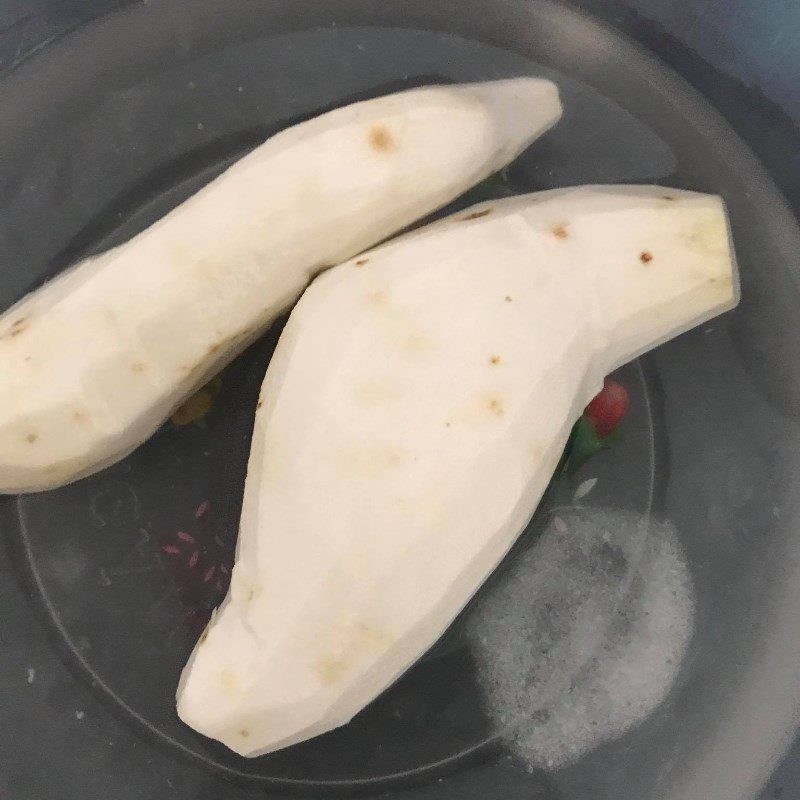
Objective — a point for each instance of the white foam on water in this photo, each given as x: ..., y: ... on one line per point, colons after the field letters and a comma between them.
x: 581, y: 639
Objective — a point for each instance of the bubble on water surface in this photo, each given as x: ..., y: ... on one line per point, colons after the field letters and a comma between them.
x: 582, y: 637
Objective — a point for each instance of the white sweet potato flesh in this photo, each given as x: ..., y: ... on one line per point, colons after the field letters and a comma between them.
x: 94, y: 361
x: 410, y: 420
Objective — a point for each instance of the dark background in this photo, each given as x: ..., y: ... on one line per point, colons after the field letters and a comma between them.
x: 743, y: 55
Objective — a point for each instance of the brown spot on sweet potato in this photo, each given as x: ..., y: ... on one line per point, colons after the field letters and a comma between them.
x: 31, y: 438
x: 254, y: 592
x: 476, y: 214
x: 495, y: 360
x: 667, y: 197
x: 508, y: 298
x: 361, y: 262
x: 244, y: 733
x: 79, y: 416
x: 18, y: 326
x: 709, y: 237
x: 214, y: 349
x: 330, y: 670
x: 138, y: 366
x: 646, y: 257
x: 203, y: 636
x: 381, y: 139
x: 259, y: 404
x: 560, y: 231
x: 495, y: 405
x: 351, y: 644
x: 229, y: 681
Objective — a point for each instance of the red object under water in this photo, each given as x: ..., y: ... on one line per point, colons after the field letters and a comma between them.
x: 199, y: 561
x: 608, y: 408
